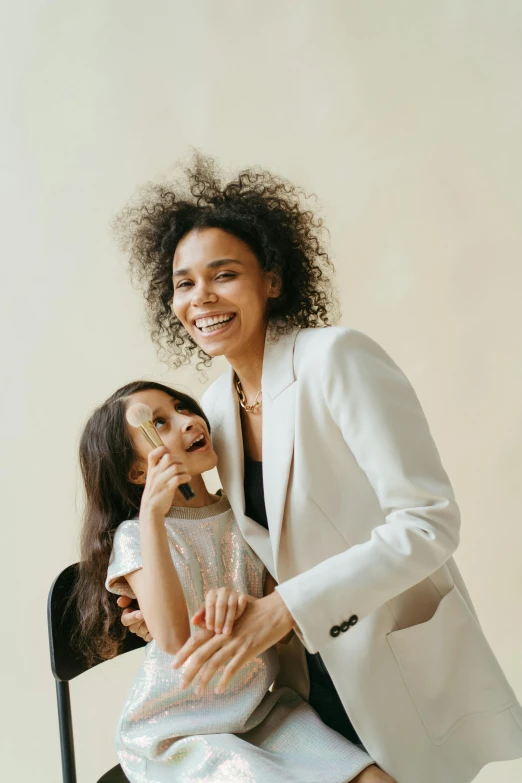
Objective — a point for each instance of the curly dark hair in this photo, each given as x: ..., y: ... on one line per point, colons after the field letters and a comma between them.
x: 263, y: 210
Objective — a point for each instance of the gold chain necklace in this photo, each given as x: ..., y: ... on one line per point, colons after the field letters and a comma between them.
x: 243, y: 400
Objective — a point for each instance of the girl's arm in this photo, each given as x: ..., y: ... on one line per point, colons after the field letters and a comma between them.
x: 158, y: 589
x: 156, y: 585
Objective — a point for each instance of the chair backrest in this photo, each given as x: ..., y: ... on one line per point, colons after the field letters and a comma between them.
x: 62, y: 619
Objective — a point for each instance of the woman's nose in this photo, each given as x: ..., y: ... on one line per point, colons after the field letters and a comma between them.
x: 202, y: 294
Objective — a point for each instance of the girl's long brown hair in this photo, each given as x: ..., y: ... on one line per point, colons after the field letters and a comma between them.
x: 106, y: 458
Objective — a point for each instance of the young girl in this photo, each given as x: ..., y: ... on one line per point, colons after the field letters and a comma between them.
x: 187, y: 564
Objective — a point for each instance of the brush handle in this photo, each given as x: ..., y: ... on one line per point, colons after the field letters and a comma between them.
x: 187, y: 491
x: 152, y: 435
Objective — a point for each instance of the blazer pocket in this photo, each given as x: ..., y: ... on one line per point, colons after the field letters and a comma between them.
x: 449, y: 668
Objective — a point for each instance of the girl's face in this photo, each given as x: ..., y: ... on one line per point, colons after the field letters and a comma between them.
x: 221, y: 292
x: 183, y: 433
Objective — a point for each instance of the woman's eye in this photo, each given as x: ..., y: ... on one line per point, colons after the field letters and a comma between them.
x: 184, y: 284
x: 181, y: 407
x: 158, y: 423
x: 225, y: 275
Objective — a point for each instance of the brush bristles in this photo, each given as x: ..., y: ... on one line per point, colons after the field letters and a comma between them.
x: 138, y: 414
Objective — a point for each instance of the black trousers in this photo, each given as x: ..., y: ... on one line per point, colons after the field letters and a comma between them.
x: 325, y: 699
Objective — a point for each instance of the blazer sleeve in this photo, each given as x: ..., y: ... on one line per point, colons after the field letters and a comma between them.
x: 384, y: 426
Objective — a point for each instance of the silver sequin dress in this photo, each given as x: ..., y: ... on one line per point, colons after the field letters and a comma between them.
x: 248, y: 734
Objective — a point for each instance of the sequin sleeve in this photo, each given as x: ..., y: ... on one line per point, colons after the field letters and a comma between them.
x: 125, y: 558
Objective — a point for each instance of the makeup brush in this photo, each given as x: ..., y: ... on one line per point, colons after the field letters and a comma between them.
x: 140, y: 415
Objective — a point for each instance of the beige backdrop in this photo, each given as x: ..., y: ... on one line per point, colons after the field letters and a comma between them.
x: 404, y: 117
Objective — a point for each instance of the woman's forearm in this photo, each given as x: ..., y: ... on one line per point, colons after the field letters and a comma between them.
x: 158, y: 587
x: 270, y: 585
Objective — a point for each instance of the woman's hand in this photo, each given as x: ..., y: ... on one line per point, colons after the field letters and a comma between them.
x: 164, y: 475
x: 263, y: 623
x: 133, y: 618
x: 221, y: 609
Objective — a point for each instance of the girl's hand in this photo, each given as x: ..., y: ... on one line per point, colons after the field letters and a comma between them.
x: 164, y: 475
x: 221, y: 608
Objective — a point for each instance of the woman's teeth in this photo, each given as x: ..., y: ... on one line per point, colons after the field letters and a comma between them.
x: 212, y: 328
x: 207, y: 325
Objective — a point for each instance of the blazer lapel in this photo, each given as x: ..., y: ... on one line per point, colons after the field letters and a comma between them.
x: 278, y: 429
x: 227, y: 440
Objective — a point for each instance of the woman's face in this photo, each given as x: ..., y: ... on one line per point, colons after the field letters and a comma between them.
x: 184, y: 433
x: 221, y: 293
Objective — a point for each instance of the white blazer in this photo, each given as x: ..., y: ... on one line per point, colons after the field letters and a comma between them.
x: 363, y: 524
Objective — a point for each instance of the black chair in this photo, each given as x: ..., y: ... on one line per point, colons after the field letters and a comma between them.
x: 66, y: 664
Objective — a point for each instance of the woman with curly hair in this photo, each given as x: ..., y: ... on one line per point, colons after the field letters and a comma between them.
x: 333, y: 476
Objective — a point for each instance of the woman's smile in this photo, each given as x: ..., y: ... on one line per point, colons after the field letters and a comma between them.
x: 220, y: 292
x: 209, y: 324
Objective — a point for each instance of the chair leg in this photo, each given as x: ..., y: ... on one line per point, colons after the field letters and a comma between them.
x: 66, y: 732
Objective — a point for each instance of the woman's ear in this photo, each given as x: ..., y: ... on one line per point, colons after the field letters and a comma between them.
x: 275, y: 286
x: 137, y: 474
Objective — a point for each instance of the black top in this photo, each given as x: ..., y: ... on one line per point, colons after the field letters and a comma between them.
x: 254, y: 492
x: 323, y: 696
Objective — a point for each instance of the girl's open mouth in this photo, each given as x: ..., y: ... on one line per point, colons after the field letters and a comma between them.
x: 198, y: 444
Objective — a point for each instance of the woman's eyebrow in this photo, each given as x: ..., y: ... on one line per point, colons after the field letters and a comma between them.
x: 211, y: 265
